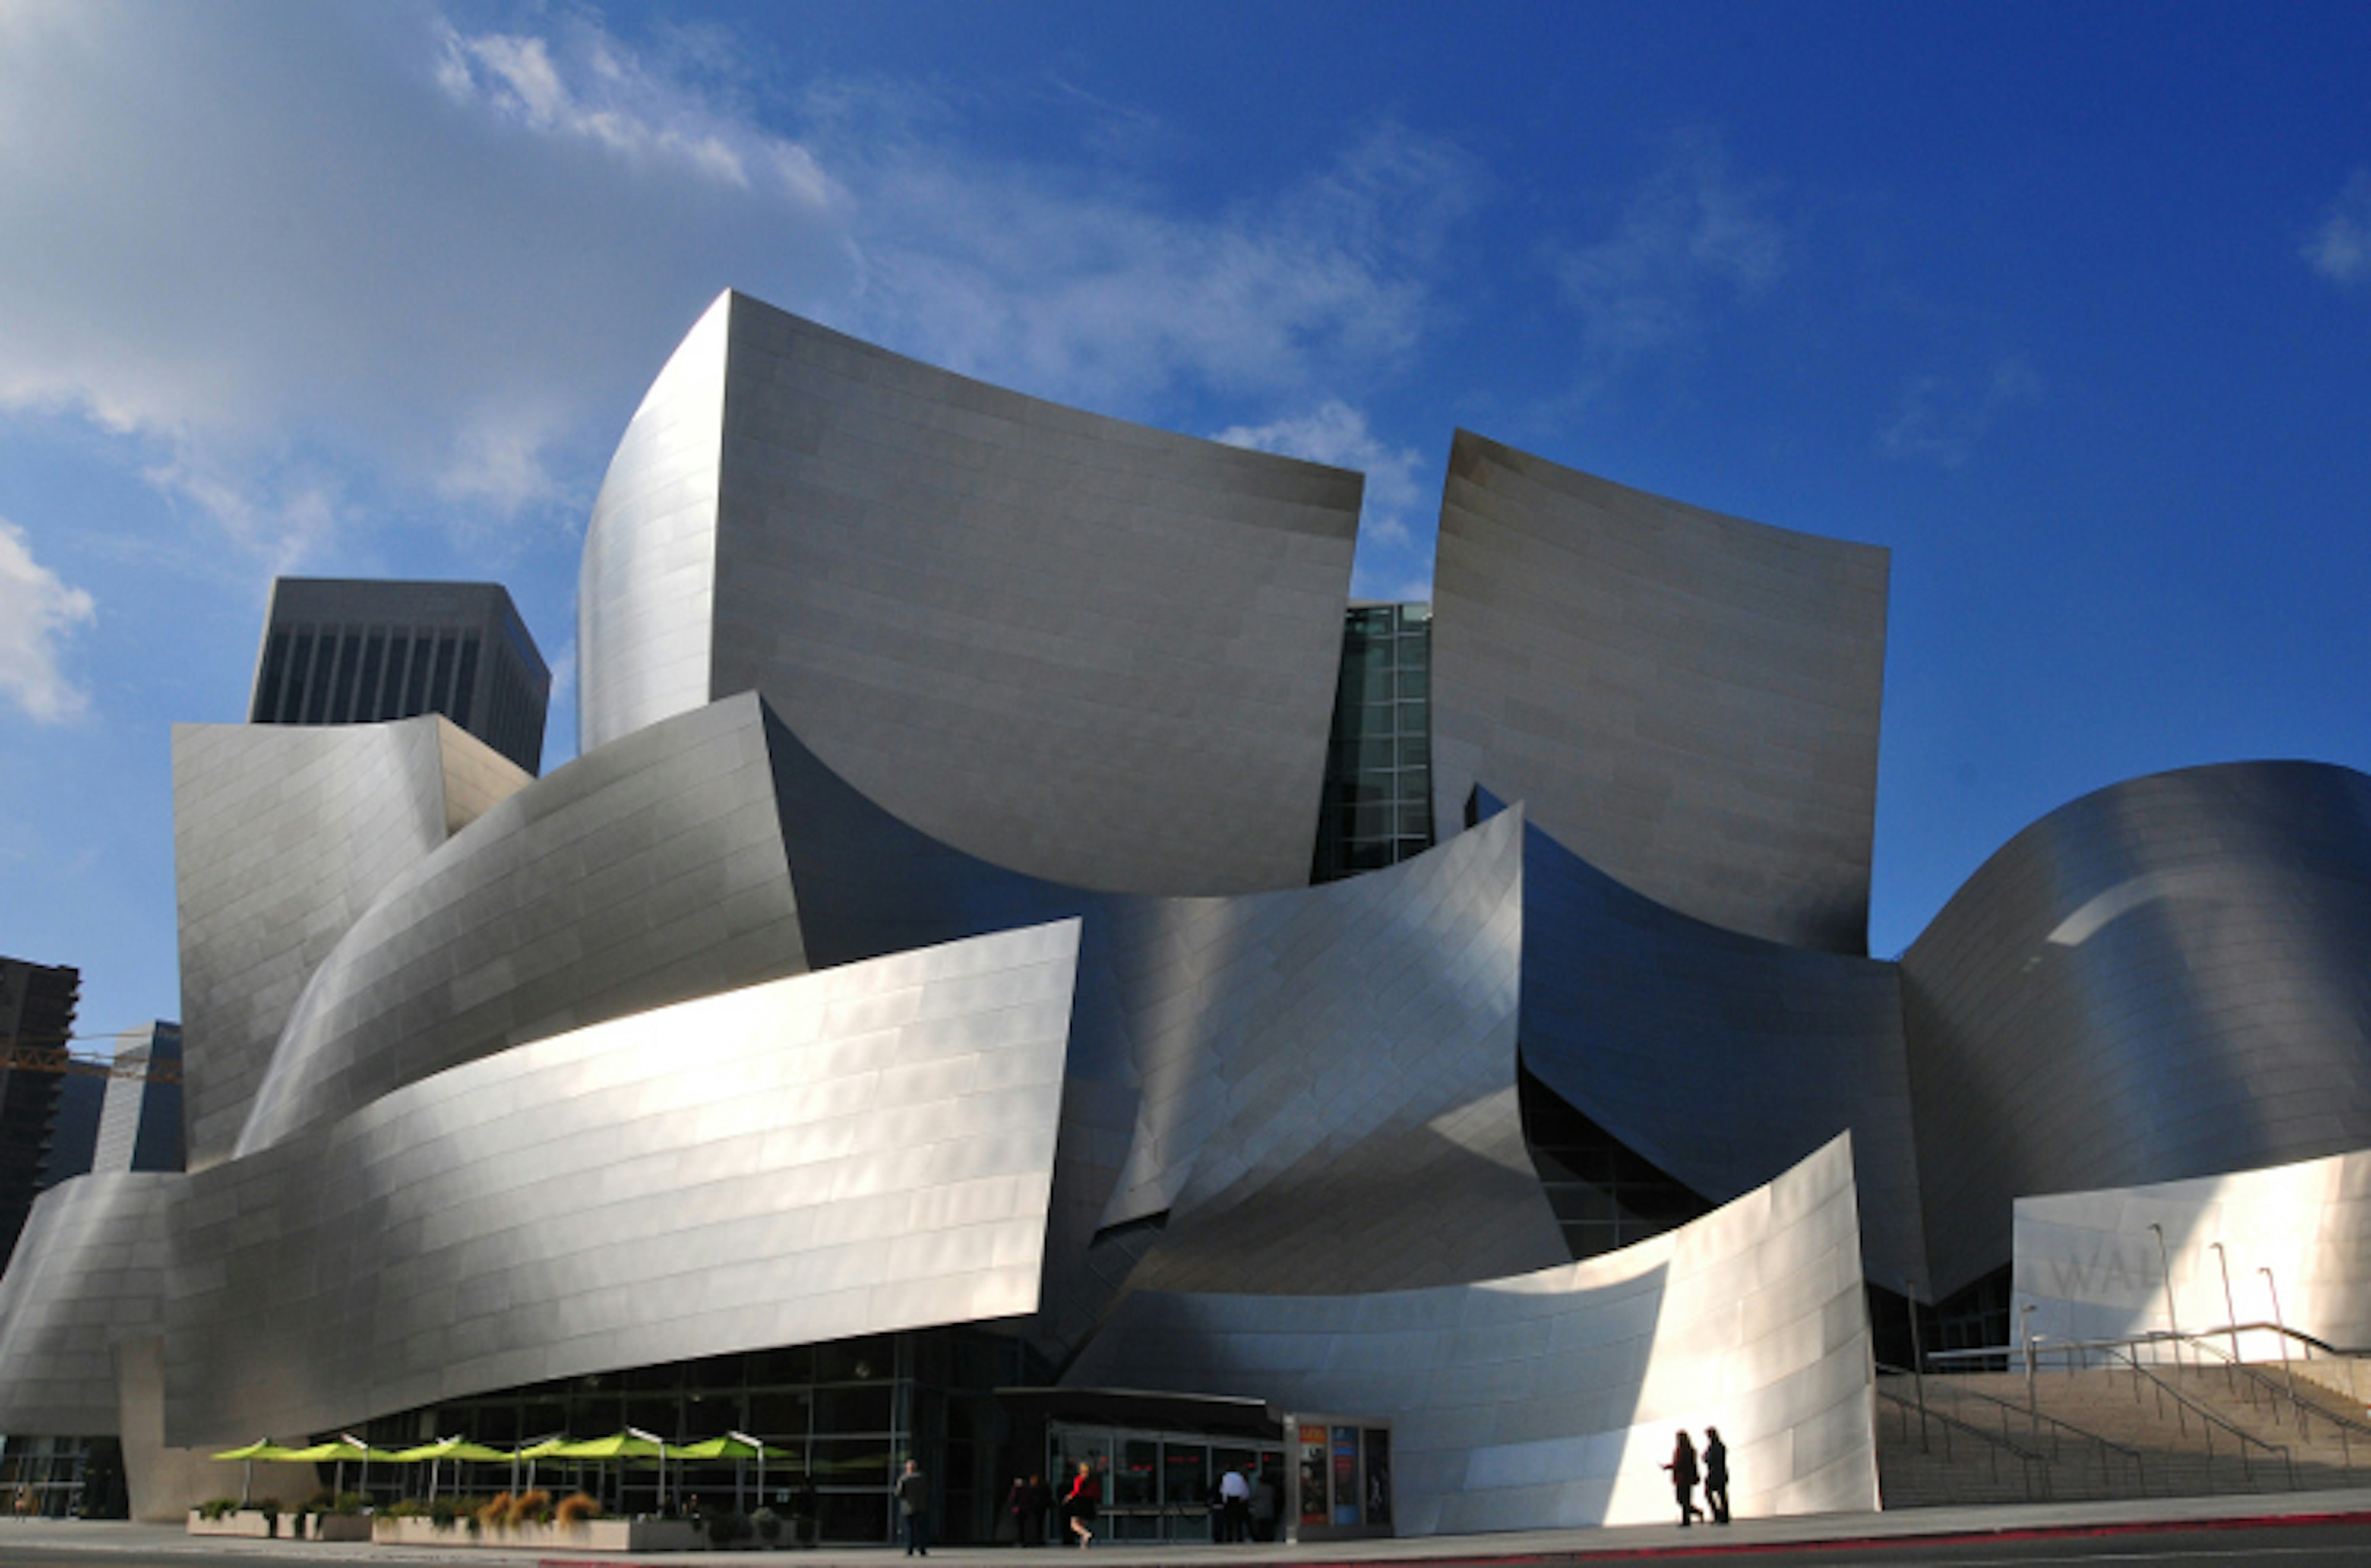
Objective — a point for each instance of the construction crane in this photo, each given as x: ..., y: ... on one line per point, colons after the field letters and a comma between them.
x: 22, y: 1054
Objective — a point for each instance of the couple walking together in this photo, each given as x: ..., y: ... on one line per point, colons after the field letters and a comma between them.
x: 1715, y: 1476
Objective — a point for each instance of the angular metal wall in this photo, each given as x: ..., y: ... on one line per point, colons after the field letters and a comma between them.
x: 1550, y: 1399
x: 2291, y: 1253
x: 830, y: 1155
x: 89, y: 1270
x: 643, y: 873
x: 1720, y: 1058
x: 2169, y: 978
x: 646, y: 590
x: 1080, y: 649
x: 1687, y: 700
x: 282, y: 836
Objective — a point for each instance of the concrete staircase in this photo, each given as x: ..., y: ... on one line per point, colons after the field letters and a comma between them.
x: 2113, y: 1432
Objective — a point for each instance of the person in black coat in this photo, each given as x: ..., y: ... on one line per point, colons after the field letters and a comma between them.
x: 1684, y: 1475
x: 1715, y: 1475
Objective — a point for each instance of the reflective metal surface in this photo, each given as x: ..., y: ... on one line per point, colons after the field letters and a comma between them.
x: 833, y: 1154
x: 1719, y: 1058
x: 89, y: 1270
x: 2282, y: 1246
x: 989, y: 613
x: 1550, y: 1399
x: 282, y: 837
x: 646, y: 872
x: 1687, y: 700
x: 2169, y: 978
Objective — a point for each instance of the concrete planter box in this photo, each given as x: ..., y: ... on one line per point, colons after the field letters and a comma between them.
x: 315, y: 1526
x: 593, y: 1535
x: 245, y: 1522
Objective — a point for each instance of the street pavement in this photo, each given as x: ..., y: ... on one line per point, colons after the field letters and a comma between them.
x: 2319, y: 1529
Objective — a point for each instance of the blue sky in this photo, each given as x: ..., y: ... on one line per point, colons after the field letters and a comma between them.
x: 2069, y: 306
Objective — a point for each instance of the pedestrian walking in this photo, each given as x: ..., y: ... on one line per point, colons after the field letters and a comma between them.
x: 1684, y: 1476
x: 914, y: 1508
x: 1716, y: 1469
x: 1080, y: 1503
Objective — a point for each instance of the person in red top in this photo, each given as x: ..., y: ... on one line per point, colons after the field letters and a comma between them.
x: 1079, y: 1503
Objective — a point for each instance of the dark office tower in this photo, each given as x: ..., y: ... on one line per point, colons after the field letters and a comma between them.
x: 1378, y: 805
x: 351, y: 650
x: 37, y: 1010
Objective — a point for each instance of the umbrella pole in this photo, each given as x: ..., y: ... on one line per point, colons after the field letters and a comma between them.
x: 246, y: 1480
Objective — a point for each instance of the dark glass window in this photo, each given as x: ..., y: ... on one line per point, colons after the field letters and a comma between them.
x: 415, y: 695
x: 857, y: 1408
x: 366, y: 703
x: 349, y: 663
x: 325, y: 663
x: 267, y: 688
x: 440, y: 687
x: 465, y: 682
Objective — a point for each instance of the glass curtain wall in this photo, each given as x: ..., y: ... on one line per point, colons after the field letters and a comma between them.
x: 1378, y: 803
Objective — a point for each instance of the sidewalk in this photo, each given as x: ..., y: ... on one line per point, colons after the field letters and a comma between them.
x: 109, y: 1538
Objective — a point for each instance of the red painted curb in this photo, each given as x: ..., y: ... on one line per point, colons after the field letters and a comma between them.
x: 1855, y: 1543
x: 1738, y: 1549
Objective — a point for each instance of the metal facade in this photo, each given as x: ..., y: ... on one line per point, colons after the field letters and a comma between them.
x: 831, y: 1154
x: 1687, y: 700
x: 282, y: 837
x: 991, y: 614
x: 89, y: 1270
x: 647, y: 872
x: 922, y: 939
x: 2169, y: 978
x: 1719, y: 1058
x: 1549, y: 1400
x: 2282, y: 1246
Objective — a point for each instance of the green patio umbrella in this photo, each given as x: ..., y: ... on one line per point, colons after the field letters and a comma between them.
x: 261, y: 1448
x: 353, y: 1447
x: 736, y: 1447
x: 631, y: 1444
x: 541, y: 1448
x: 435, y: 1454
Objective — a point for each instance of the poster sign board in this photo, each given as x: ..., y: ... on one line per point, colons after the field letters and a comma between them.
x: 1340, y: 1475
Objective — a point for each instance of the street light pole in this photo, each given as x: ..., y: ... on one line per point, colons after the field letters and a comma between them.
x: 2230, y: 1313
x: 1918, y: 1360
x: 2033, y: 1393
x: 2280, y: 1323
x: 2165, y: 1269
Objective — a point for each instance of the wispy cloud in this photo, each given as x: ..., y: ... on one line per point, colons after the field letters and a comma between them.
x: 1941, y: 419
x: 1096, y: 291
x: 347, y: 264
x: 1335, y: 433
x: 1695, y: 240
x: 2339, y: 249
x: 37, y: 613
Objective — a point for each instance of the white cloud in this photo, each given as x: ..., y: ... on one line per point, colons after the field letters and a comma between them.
x: 1939, y: 420
x: 1094, y: 292
x: 37, y: 611
x: 327, y: 265
x: 1693, y: 239
x: 1336, y: 435
x: 2340, y: 248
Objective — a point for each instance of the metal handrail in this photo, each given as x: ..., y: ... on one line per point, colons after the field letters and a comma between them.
x: 1994, y: 1443
x: 2024, y: 1412
x: 2303, y: 1410
x: 2206, y: 1417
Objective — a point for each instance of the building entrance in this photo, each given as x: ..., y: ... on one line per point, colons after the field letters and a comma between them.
x: 1158, y: 1485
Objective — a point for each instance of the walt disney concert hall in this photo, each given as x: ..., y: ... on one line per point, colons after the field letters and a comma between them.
x: 1024, y: 970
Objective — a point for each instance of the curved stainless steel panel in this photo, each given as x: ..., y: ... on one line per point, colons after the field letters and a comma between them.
x: 645, y: 588
x: 1719, y: 1058
x: 845, y: 1153
x: 2169, y: 978
x: 2291, y: 1253
x: 1549, y: 1400
x: 282, y: 836
x: 643, y: 873
x: 1687, y: 700
x: 89, y: 1270
x: 1080, y: 649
